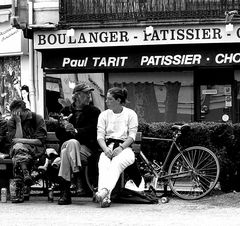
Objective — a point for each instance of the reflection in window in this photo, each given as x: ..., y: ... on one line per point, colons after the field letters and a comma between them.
x: 160, y: 96
x: 59, y: 89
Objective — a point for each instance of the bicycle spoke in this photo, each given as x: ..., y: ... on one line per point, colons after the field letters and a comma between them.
x: 203, y: 168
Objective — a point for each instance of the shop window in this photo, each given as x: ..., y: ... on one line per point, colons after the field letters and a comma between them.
x: 10, y: 87
x: 159, y: 96
x: 59, y: 87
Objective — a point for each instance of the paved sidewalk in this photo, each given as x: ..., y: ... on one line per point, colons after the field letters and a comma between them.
x: 219, y: 210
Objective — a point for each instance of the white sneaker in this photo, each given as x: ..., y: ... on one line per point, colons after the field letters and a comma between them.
x: 102, y: 198
x: 50, y: 151
x: 56, y: 163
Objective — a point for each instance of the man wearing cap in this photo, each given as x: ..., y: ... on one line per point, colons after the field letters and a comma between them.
x: 78, y: 135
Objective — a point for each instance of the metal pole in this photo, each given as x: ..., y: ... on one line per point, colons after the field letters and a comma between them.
x: 32, y: 91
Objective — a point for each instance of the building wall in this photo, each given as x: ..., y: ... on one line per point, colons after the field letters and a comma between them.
x: 13, y: 59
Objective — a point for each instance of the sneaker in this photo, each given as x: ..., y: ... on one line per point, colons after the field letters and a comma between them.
x: 42, y: 168
x: 105, y: 203
x: 56, y: 163
x: 102, y: 198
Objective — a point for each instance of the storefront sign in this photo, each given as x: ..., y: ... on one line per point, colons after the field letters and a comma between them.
x: 121, y: 58
x: 135, y: 36
x: 10, y: 40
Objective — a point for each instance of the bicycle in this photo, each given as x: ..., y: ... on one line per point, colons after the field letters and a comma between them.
x: 191, y: 174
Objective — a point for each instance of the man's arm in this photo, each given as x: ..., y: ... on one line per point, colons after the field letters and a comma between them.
x: 27, y: 141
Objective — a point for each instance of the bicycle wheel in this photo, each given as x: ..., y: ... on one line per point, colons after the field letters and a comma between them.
x: 91, y: 177
x: 196, y: 171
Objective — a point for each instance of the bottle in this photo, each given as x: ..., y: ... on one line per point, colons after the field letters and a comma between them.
x: 4, y: 195
x: 50, y: 194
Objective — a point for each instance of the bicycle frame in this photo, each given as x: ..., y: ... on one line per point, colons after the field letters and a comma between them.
x: 160, y: 172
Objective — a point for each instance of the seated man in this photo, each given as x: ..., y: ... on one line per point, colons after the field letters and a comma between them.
x: 27, y: 132
x: 78, y: 136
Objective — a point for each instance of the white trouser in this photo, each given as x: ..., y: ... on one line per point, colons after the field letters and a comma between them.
x: 110, y: 169
x: 73, y: 154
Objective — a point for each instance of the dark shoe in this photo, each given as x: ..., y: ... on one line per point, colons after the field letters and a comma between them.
x: 81, y: 192
x: 26, y: 193
x: 65, y: 200
x: 18, y: 200
x: 79, y: 185
x: 27, y: 178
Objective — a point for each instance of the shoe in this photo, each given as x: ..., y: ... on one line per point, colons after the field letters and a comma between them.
x: 65, y: 200
x: 42, y: 168
x: 26, y: 193
x: 81, y: 192
x: 27, y: 178
x: 102, y: 198
x: 51, y: 151
x: 56, y: 163
x: 105, y: 203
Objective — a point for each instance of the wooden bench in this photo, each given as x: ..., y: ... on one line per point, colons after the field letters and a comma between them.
x: 6, y: 166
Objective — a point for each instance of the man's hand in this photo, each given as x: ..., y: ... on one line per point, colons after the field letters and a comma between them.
x: 16, y: 116
x: 69, y: 127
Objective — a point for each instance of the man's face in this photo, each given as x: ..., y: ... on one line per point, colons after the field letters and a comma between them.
x: 81, y: 98
x: 19, y: 112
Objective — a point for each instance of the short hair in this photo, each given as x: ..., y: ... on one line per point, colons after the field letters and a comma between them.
x: 121, y: 93
x: 17, y: 104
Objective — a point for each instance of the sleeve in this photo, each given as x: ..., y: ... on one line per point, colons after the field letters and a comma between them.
x: 133, y: 124
x: 41, y: 130
x: 3, y: 129
x: 101, y: 126
x: 11, y: 128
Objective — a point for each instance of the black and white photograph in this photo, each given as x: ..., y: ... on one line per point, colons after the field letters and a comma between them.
x: 120, y: 112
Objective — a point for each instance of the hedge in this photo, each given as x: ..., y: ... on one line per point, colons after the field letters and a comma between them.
x: 222, y: 138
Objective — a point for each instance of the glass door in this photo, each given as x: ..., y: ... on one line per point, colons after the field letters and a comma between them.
x: 214, y: 94
x: 216, y: 103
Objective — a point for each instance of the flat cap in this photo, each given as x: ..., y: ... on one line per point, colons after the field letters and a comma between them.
x: 83, y: 87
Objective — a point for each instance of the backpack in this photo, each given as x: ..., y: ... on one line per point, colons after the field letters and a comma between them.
x: 143, y: 197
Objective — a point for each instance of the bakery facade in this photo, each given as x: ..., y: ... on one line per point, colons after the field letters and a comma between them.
x: 173, y: 74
